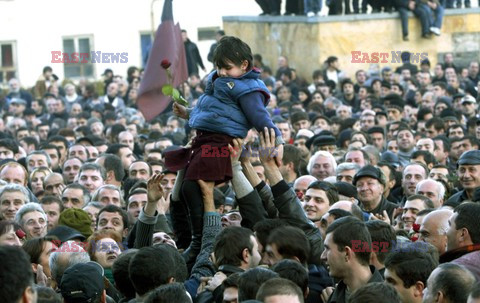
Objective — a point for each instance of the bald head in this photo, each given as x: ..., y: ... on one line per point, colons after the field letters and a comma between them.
x: 301, y: 184
x: 440, y: 215
x: 304, y: 181
x: 344, y: 204
x: 53, y: 176
x: 349, y: 206
x: 54, y: 184
x: 434, y: 228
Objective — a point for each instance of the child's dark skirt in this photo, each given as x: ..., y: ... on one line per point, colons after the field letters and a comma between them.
x: 208, y: 159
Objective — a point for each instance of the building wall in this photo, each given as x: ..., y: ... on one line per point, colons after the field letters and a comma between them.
x: 307, y: 42
x: 37, y: 27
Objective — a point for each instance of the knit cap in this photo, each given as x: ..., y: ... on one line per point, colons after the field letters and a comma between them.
x: 76, y: 219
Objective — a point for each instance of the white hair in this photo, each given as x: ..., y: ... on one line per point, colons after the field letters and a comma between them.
x: 69, y: 85
x: 12, y: 187
x: 40, y: 152
x: 348, y: 108
x: 96, y: 194
x: 95, y: 204
x: 334, y: 101
x: 347, y: 166
x: 28, y: 208
x: 440, y: 187
x: 59, y: 265
x: 10, y: 124
x: 331, y: 179
x: 321, y: 153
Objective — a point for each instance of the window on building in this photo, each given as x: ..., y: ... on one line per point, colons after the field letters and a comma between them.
x: 8, y: 67
x: 207, y: 33
x: 146, y: 41
x: 78, y: 44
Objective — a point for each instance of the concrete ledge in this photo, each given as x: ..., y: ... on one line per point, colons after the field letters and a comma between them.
x: 307, y: 42
x: 337, y: 18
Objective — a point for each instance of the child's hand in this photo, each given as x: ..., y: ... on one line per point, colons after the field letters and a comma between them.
x: 180, y: 110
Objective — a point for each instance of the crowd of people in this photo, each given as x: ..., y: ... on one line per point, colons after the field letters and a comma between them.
x: 429, y: 12
x: 362, y: 189
x: 311, y: 8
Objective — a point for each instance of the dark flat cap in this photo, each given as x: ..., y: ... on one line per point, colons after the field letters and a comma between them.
x: 376, y: 129
x: 397, y: 103
x: 65, y: 233
x: 29, y: 112
x: 448, y: 114
x: 85, y: 139
x: 391, y: 158
x: 298, y: 116
x: 458, y: 95
x: 471, y: 157
x: 369, y: 171
x: 322, y: 140
x: 82, y: 282
x: 445, y: 99
x: 346, y: 189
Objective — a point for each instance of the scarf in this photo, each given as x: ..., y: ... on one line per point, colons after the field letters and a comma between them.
x: 109, y: 275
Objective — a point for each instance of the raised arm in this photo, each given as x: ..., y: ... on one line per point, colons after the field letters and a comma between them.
x: 249, y: 202
x: 252, y: 105
x: 179, y: 214
x: 153, y: 211
x: 211, y: 228
x: 261, y: 187
x: 285, y: 199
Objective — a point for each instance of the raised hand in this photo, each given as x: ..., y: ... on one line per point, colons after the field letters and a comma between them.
x: 248, y: 154
x: 216, y: 281
x: 42, y: 279
x: 268, y: 152
x: 279, y: 155
x: 326, y: 293
x: 382, y: 217
x: 235, y: 150
x: 154, y: 188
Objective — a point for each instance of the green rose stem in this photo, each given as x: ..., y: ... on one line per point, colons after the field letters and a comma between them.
x: 168, y: 89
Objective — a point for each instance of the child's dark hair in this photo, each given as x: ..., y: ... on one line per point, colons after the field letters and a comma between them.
x: 232, y: 50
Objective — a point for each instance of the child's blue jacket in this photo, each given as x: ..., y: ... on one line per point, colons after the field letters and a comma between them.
x: 218, y: 110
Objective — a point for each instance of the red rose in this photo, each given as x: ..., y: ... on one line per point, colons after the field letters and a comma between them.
x: 20, y: 233
x: 414, y: 238
x: 416, y: 227
x: 165, y: 63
